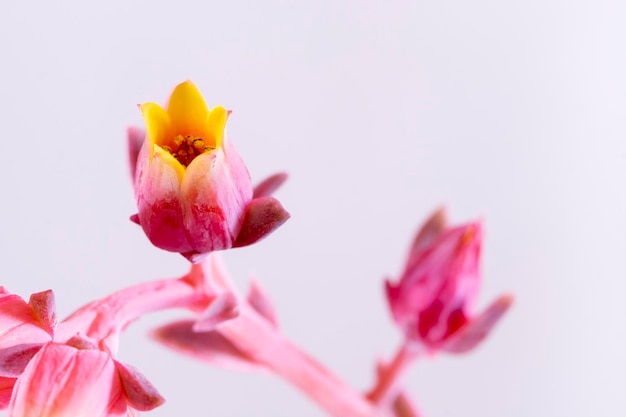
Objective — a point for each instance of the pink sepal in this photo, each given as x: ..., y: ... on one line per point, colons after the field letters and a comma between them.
x: 135, y: 137
x: 268, y: 186
x: 140, y: 393
x: 263, y: 215
x: 261, y: 303
x: 44, y: 310
x: 211, y: 347
x: 474, y: 332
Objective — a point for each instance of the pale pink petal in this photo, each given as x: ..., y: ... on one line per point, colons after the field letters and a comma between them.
x: 140, y: 393
x: 469, y: 336
x: 268, y: 186
x: 210, y: 347
x: 61, y: 381
x: 263, y: 216
x: 261, y: 302
x: 18, y: 323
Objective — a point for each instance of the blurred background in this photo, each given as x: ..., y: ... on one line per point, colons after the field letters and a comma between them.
x: 513, y: 112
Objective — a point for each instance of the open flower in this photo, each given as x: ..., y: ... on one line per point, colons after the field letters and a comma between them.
x: 193, y: 190
x: 433, y: 300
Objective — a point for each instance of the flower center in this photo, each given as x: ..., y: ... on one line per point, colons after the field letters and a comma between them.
x: 186, y: 148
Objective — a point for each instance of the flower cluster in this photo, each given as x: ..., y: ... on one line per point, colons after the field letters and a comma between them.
x: 195, y: 197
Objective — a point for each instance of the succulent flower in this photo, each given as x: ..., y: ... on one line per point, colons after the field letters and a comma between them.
x: 194, y: 193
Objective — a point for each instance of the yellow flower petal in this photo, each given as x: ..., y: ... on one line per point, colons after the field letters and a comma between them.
x: 216, y: 122
x: 187, y: 109
x: 157, y: 125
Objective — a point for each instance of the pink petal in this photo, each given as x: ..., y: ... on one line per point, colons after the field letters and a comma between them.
x: 44, y: 310
x: 140, y: 393
x: 268, y: 186
x: 18, y: 324
x: 223, y: 307
x: 213, y: 201
x: 6, y: 390
x: 263, y: 216
x: 61, y: 380
x: 210, y: 347
x: 469, y: 336
x: 261, y: 302
x: 158, y: 202
x: 14, y: 359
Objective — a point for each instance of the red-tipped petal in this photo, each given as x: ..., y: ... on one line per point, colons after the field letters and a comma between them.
x: 211, y: 347
x: 268, y: 186
x: 44, y: 310
x: 140, y: 393
x: 263, y: 216
x: 474, y: 332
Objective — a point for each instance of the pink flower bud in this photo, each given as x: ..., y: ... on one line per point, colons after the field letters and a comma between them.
x: 193, y: 190
x: 433, y: 300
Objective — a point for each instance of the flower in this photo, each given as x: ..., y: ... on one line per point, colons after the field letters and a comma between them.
x: 76, y: 379
x: 194, y: 193
x: 433, y: 299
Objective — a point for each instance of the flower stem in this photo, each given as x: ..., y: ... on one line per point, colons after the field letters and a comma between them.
x: 385, y: 390
x: 258, y: 339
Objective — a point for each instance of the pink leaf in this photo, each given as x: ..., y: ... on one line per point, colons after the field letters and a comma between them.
x: 44, y: 309
x: 261, y: 302
x: 268, y: 186
x: 140, y: 393
x: 223, y: 307
x: 135, y: 140
x: 263, y: 216
x: 211, y: 347
x: 479, y: 327
x: 14, y: 359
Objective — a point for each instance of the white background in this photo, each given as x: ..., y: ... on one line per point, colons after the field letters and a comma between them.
x: 510, y: 111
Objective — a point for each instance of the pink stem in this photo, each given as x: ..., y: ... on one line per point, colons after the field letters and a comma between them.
x: 386, y: 388
x: 104, y: 319
x: 255, y: 337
